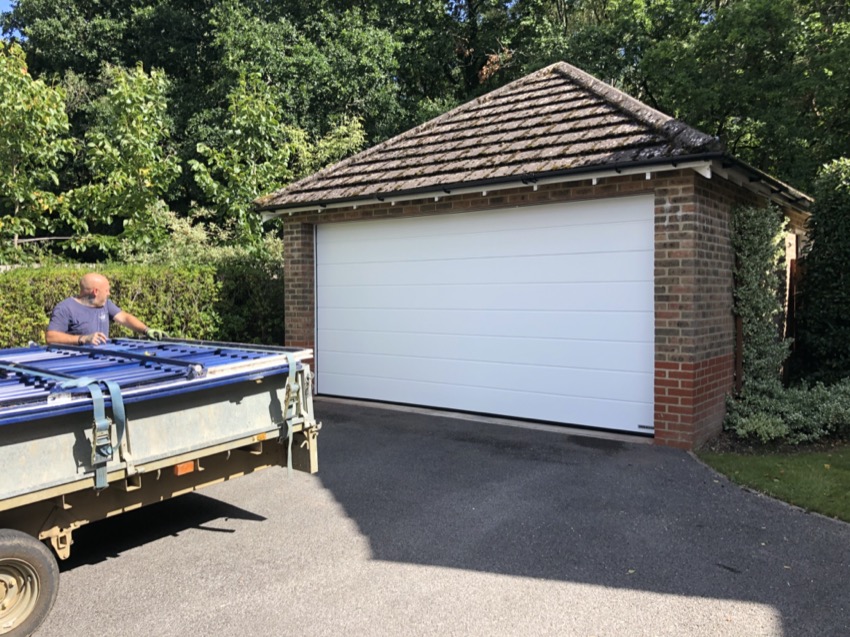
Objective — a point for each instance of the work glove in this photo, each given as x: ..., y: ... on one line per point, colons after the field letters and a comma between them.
x: 155, y: 335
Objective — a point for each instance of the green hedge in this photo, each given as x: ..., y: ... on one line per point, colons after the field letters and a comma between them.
x: 823, y: 332
x: 239, y: 300
x: 765, y: 410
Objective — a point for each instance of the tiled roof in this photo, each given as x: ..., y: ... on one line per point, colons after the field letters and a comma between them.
x: 556, y: 120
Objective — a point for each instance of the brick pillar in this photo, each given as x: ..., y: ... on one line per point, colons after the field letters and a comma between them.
x: 299, y: 289
x: 694, y: 326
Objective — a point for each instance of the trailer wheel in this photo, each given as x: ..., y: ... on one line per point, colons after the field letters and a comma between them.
x: 29, y: 582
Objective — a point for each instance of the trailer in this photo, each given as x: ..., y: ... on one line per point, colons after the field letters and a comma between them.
x: 90, y: 432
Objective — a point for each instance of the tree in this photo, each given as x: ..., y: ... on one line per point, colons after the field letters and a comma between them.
x: 767, y: 76
x: 824, y: 317
x: 33, y: 143
x: 260, y: 153
x: 129, y: 163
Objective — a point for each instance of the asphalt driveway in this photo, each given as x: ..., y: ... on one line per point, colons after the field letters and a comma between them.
x: 427, y: 525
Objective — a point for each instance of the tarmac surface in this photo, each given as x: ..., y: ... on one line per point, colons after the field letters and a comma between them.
x: 419, y: 524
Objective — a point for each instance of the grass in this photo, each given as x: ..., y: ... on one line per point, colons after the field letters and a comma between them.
x: 813, y: 479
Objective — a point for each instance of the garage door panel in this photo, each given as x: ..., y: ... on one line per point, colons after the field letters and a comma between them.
x: 544, y: 312
x: 545, y: 352
x: 627, y: 296
x: 542, y: 218
x: 592, y: 326
x: 516, y: 376
x: 558, y: 268
x: 605, y: 413
x: 580, y: 240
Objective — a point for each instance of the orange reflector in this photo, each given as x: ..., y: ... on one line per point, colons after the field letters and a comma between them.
x: 184, y: 467
x: 261, y: 436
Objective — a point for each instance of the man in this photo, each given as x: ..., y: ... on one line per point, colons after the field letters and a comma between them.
x: 84, y: 319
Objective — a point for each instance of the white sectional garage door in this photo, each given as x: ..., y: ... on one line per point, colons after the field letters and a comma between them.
x: 544, y: 313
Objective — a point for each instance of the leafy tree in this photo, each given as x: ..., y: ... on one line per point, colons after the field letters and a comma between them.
x: 824, y: 318
x: 737, y: 76
x: 260, y: 153
x: 768, y: 76
x: 129, y: 162
x: 321, y: 68
x: 33, y: 143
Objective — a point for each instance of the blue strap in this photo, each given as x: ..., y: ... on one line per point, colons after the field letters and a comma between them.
x: 291, y: 386
x: 102, y: 450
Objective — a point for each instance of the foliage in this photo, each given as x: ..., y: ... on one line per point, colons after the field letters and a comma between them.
x: 33, y: 142
x: 824, y: 316
x: 238, y: 299
x: 765, y: 410
x: 250, y: 299
x: 128, y: 160
x: 766, y: 76
x: 757, y: 241
x: 794, y: 415
x: 178, y: 301
x: 258, y: 153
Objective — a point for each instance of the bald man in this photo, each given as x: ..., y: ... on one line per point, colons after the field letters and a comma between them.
x: 84, y: 319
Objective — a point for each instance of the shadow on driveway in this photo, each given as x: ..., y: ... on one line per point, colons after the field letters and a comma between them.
x: 447, y: 492
x: 109, y: 538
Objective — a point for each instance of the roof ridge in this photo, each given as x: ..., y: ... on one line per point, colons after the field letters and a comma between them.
x: 679, y: 132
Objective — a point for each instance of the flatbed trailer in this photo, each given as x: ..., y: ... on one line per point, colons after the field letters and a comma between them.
x: 90, y: 432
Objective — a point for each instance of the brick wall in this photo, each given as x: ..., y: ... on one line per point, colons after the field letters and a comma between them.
x: 299, y: 285
x: 694, y: 327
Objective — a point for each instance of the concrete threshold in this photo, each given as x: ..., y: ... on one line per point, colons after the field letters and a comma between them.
x: 493, y: 420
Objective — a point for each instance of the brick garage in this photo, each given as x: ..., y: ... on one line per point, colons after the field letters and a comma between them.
x: 561, y: 137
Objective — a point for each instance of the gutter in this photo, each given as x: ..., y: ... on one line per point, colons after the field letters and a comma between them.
x: 704, y: 163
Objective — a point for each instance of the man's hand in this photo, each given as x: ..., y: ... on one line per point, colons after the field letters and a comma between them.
x: 155, y: 335
x: 98, y: 338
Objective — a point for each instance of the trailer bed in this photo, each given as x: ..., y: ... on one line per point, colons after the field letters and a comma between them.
x: 108, y: 428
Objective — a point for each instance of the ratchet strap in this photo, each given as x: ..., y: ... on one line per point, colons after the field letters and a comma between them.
x: 289, y: 395
x: 102, y: 450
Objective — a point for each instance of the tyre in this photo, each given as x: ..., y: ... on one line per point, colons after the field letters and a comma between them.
x: 29, y: 582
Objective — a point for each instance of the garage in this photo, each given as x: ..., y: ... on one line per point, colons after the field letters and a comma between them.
x: 544, y: 312
x: 554, y: 250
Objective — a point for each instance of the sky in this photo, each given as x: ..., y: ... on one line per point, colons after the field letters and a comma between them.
x: 5, y: 5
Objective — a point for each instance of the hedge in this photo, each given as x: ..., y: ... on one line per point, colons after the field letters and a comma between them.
x: 823, y: 348
x: 239, y: 300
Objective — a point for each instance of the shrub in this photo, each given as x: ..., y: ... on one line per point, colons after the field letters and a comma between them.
x: 251, y: 300
x: 765, y: 410
x: 796, y: 415
x: 757, y: 238
x: 824, y: 317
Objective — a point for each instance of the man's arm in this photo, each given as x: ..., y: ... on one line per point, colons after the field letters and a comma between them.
x: 56, y: 333
x: 54, y: 337
x: 129, y: 321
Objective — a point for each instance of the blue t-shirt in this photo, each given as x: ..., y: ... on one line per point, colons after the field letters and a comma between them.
x: 72, y: 317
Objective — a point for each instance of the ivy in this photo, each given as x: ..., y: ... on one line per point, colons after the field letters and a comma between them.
x: 765, y: 409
